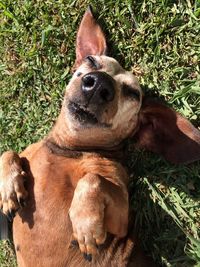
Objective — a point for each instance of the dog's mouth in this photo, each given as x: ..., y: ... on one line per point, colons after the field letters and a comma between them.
x: 82, y: 114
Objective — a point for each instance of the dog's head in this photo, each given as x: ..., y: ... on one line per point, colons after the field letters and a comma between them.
x: 103, y: 95
x: 104, y: 104
x: 102, y: 100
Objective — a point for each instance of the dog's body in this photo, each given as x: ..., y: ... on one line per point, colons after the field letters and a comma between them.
x: 42, y: 230
x: 77, y: 187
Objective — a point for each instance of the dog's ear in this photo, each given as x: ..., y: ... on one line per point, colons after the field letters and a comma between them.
x: 164, y: 131
x: 90, y: 39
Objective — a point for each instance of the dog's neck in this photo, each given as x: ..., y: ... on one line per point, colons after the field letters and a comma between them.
x: 61, y: 142
x: 116, y: 153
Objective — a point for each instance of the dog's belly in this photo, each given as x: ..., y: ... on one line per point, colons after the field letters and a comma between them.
x: 40, y: 241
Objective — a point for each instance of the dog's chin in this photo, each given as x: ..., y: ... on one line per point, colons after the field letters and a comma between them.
x: 82, y: 114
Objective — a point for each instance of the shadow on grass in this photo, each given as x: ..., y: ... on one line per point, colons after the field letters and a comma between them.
x: 159, y: 234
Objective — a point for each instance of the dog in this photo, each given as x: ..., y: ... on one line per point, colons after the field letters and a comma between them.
x: 74, y: 201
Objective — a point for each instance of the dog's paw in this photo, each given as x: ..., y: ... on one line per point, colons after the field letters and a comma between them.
x: 87, y: 217
x: 88, y: 228
x: 12, y: 191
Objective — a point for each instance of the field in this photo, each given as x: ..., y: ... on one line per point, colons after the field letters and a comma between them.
x: 159, y: 41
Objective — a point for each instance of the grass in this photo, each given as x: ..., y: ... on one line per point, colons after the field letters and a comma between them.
x: 159, y: 41
x: 7, y: 256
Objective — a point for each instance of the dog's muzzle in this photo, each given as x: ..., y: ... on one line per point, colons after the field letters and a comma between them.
x: 98, y: 87
x: 97, y: 90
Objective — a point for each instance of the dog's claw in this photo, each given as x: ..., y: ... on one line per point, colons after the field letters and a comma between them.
x: 22, y: 202
x: 9, y: 218
x: 10, y: 215
x: 88, y: 257
x: 74, y: 243
x: 100, y: 246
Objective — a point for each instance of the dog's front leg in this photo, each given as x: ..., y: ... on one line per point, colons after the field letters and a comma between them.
x: 12, y: 191
x: 98, y: 206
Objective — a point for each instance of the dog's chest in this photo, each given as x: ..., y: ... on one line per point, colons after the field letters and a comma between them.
x: 52, y: 178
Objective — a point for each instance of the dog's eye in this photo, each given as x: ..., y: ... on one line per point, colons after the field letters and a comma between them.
x: 92, y: 62
x: 131, y: 92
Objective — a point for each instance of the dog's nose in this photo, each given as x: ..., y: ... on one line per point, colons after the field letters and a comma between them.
x: 98, y: 86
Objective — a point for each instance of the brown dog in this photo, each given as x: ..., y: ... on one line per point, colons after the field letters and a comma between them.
x: 76, y: 183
